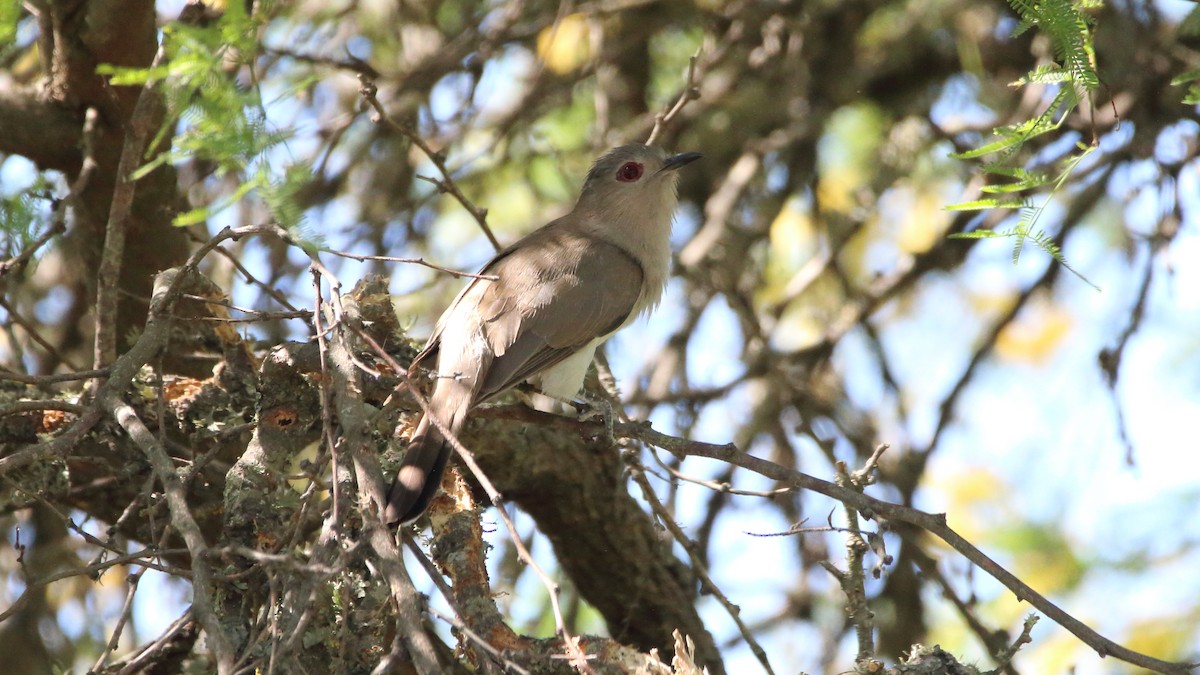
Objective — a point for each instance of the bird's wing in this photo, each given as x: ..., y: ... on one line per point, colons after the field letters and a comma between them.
x: 474, y: 288
x: 559, y: 291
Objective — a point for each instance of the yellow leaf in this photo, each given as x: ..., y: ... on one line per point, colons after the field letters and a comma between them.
x: 838, y: 187
x: 793, y: 242
x: 798, y: 328
x: 924, y: 223
x: 968, y: 491
x: 565, y: 46
x: 1168, y: 636
x: 1035, y: 334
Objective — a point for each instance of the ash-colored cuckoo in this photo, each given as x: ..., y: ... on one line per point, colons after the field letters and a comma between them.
x: 559, y: 292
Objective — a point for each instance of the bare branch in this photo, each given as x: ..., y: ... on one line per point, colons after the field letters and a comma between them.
x: 146, y: 114
x: 933, y: 523
x: 691, y: 92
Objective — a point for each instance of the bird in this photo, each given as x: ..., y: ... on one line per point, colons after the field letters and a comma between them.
x: 538, y: 310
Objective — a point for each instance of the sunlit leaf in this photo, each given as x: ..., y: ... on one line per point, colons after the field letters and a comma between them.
x: 565, y: 45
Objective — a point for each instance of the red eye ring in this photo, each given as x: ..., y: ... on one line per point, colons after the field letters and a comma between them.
x: 629, y: 172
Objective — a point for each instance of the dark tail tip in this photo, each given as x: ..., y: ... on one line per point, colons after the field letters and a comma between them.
x: 417, y: 481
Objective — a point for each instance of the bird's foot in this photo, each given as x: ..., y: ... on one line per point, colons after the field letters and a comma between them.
x: 593, y: 408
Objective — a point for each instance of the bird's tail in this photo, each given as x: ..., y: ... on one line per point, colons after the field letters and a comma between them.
x: 419, y: 476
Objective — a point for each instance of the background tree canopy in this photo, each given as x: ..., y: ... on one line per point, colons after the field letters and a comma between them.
x: 204, y: 347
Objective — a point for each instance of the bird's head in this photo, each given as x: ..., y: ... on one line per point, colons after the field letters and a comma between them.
x: 633, y: 178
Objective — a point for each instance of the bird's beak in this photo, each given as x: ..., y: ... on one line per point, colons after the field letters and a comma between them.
x: 675, y: 161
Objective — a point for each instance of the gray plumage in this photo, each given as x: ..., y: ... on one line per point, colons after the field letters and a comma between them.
x: 560, y: 292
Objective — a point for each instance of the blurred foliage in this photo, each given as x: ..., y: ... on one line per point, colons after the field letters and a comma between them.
x: 817, y: 307
x: 23, y: 214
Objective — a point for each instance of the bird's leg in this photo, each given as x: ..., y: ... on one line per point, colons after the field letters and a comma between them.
x: 593, y: 406
x: 586, y: 408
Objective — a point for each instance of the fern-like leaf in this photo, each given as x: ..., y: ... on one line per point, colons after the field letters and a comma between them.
x: 1072, y: 78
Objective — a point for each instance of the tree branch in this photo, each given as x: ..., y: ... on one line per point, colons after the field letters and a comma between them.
x: 933, y: 523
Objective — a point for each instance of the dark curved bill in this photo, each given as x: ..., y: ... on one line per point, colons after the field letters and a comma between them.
x: 675, y: 161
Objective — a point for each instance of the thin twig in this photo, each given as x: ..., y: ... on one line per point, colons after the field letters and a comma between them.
x: 690, y: 93
x: 32, y: 405
x: 270, y: 290
x: 33, y: 333
x: 853, y: 580
x: 1110, y: 357
x: 114, y: 640
x: 181, y: 519
x: 136, y: 664
x: 991, y: 639
x: 415, y: 261
x: 477, y: 639
x: 933, y: 523
x: 318, y: 270
x: 351, y: 62
x: 41, y: 380
x: 1026, y: 637
x: 368, y: 90
x: 721, y: 486
x: 33, y: 587
x: 18, y: 261
x: 637, y: 471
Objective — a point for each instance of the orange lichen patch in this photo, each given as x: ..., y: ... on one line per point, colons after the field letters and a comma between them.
x: 282, y: 417
x: 183, y: 387
x: 52, y: 420
x: 265, y: 541
x: 503, y: 638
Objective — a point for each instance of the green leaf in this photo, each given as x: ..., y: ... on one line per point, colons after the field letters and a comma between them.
x: 1190, y: 26
x: 9, y: 12
x: 124, y: 76
x: 279, y: 195
x: 23, y: 216
x: 1045, y: 74
x: 983, y: 204
x: 1074, y: 75
x: 1186, y: 76
x: 977, y: 234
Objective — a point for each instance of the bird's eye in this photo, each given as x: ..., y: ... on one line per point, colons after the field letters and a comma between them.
x: 629, y: 172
